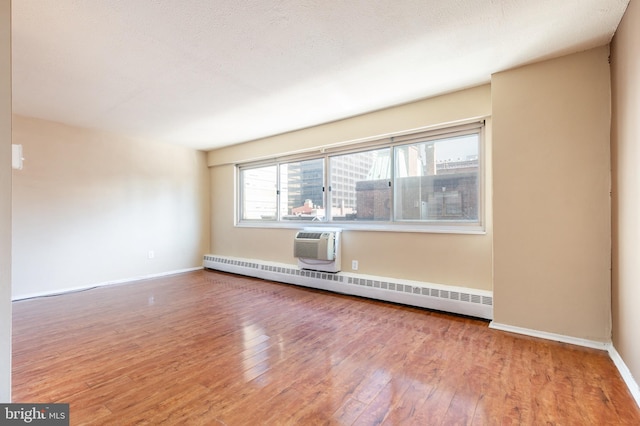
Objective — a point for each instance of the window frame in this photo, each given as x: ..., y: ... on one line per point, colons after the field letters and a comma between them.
x: 391, y: 142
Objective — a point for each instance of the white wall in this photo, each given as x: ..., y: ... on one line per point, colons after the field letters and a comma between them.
x: 5, y: 195
x: 89, y: 206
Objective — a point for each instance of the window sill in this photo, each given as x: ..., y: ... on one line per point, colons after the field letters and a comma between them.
x: 466, y: 229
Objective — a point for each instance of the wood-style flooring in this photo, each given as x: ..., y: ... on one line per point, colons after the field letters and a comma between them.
x: 208, y: 348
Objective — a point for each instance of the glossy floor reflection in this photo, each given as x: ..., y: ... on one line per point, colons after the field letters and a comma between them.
x: 213, y: 348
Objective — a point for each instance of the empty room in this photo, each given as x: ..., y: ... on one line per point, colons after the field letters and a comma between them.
x: 304, y: 212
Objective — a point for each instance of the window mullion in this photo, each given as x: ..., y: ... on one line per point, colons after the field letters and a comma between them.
x: 278, y: 194
x: 392, y: 184
x: 328, y: 203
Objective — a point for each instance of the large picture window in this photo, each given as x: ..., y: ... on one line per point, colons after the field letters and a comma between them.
x: 414, y: 181
x: 437, y: 180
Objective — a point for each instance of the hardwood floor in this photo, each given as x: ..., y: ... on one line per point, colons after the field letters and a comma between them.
x: 212, y: 348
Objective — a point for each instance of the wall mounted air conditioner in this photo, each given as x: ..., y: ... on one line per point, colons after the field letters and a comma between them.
x: 317, y: 250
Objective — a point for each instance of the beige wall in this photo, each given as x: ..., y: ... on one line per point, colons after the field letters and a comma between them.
x: 462, y: 260
x: 89, y: 206
x: 551, y: 179
x: 549, y: 142
x: 5, y: 206
x: 625, y: 138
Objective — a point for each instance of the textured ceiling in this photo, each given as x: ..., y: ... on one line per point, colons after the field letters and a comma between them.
x: 209, y: 73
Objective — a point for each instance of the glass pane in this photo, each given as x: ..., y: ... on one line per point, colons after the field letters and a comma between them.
x: 301, y: 193
x: 360, y: 186
x: 259, y: 196
x: 437, y: 180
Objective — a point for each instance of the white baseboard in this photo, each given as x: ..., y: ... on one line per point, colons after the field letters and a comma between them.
x: 628, y: 378
x: 550, y: 336
x: 102, y: 284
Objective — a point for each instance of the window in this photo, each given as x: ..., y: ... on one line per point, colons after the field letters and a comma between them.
x: 364, y: 180
x: 302, y: 190
x: 259, y: 193
x: 437, y: 180
x: 413, y: 181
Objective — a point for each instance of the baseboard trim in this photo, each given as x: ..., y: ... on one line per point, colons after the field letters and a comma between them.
x: 624, y: 371
x: 453, y: 299
x: 604, y: 346
x: 103, y: 284
x: 628, y: 378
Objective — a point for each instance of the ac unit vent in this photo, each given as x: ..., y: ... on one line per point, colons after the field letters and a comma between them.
x: 309, y: 235
x: 314, y: 245
x: 318, y: 249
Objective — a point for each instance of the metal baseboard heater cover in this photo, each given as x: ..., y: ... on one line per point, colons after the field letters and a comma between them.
x: 457, y: 300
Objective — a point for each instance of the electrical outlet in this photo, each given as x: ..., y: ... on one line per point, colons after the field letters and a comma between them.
x: 354, y: 265
x: 151, y: 254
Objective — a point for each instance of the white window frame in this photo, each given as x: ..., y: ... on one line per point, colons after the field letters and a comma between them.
x: 475, y: 126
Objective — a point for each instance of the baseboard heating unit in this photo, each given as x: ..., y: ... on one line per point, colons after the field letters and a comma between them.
x: 458, y: 300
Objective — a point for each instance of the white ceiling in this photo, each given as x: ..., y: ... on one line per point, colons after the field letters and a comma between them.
x: 209, y: 73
